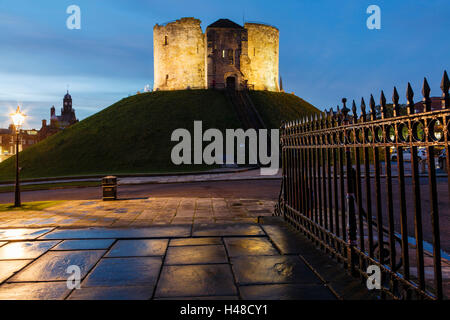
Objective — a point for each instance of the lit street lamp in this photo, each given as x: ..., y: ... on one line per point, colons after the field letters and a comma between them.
x: 18, y: 118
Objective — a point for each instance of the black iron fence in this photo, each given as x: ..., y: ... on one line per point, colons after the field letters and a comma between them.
x: 366, y: 188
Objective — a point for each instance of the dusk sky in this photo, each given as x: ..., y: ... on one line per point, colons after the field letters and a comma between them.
x: 326, y: 50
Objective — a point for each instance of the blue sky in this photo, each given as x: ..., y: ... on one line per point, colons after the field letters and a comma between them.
x: 326, y: 50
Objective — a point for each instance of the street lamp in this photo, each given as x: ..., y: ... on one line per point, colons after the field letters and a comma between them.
x: 18, y: 118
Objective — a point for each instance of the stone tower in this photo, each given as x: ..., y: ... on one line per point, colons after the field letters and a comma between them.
x: 179, y: 55
x: 226, y: 46
x: 263, y: 53
x: 227, y: 55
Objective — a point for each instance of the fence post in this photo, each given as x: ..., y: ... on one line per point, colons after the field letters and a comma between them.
x: 351, y: 256
x: 351, y: 178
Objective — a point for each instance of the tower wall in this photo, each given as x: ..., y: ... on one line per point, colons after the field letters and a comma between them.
x: 179, y: 55
x: 263, y: 53
x: 224, y: 51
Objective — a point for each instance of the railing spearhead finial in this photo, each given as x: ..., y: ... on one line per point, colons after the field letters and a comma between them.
x: 373, y: 114
x: 322, y: 120
x: 410, y: 99
x: 332, y: 117
x: 338, y: 115
x: 425, y: 89
x: 445, y: 85
x: 327, y: 118
x: 426, y: 95
x: 395, y: 99
x: 355, y: 116
x: 363, y: 109
x: 345, y: 110
x: 395, y: 96
x: 383, y: 105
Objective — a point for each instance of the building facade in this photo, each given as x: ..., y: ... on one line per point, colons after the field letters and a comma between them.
x: 58, y: 123
x: 227, y: 55
x: 8, y: 141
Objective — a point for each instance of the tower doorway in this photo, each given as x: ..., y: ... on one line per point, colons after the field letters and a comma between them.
x: 231, y: 83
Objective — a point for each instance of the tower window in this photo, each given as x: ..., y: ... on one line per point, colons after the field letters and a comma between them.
x: 166, y: 41
x: 230, y: 57
x: 167, y: 78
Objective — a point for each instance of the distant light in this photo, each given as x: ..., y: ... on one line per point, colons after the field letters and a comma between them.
x: 18, y: 117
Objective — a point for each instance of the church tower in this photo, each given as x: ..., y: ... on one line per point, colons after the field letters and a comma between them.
x: 67, y: 103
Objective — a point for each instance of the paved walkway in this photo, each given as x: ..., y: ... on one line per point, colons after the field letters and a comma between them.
x: 197, y: 261
x: 140, y: 212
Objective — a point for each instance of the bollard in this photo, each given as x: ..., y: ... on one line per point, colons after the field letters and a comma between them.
x: 109, y: 187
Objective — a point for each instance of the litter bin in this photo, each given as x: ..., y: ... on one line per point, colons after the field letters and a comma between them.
x: 109, y: 186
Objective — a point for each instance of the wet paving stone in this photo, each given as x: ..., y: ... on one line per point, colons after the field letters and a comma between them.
x: 196, y: 281
x: 34, y: 291
x: 112, y: 293
x: 249, y: 247
x: 194, y: 242
x: 217, y: 230
x: 22, y: 234
x: 286, y: 292
x: 25, y: 250
x: 138, y: 248
x: 120, y: 233
x: 196, y: 255
x: 138, y: 271
x: 8, y: 268
x: 272, y: 269
x: 52, y: 266
x: 91, y: 244
x: 284, y: 238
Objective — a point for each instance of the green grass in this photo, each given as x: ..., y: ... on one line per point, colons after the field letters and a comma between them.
x: 35, y: 206
x: 133, y: 135
x: 275, y: 107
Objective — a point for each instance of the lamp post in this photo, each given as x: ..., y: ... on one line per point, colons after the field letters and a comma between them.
x: 18, y: 118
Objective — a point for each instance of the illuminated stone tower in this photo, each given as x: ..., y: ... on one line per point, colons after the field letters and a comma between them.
x: 179, y: 55
x: 227, y: 55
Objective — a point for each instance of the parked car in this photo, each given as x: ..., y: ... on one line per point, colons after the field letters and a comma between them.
x: 421, y: 154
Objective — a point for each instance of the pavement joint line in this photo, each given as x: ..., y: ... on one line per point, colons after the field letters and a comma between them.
x: 270, y: 239
x: 326, y: 283
x: 163, y: 261
x: 231, y: 269
x: 92, y: 268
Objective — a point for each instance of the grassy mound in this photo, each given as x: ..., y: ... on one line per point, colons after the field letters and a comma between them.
x: 277, y: 106
x: 133, y: 135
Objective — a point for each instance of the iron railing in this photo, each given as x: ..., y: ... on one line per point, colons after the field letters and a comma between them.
x: 334, y: 189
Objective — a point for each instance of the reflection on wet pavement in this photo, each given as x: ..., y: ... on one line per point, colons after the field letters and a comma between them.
x: 205, y: 261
